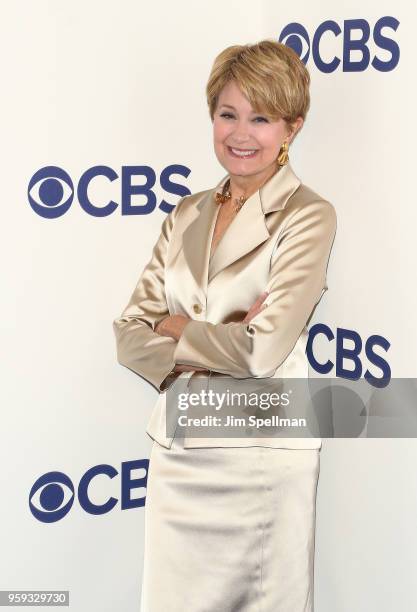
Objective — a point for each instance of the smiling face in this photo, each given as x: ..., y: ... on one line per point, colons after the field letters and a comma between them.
x: 246, y: 143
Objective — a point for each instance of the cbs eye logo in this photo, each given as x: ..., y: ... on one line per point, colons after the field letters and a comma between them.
x: 51, y: 190
x: 354, y: 38
x: 52, y: 495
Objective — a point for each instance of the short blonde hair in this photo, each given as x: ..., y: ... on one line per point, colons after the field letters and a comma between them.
x: 271, y: 76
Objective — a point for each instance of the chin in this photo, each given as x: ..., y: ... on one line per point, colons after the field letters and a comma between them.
x: 239, y: 168
x: 239, y: 172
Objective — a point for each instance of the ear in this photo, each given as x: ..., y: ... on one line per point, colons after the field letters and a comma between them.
x: 295, y: 127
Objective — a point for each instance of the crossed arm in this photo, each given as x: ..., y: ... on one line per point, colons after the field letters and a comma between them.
x: 151, y: 342
x: 139, y: 347
x: 173, y: 327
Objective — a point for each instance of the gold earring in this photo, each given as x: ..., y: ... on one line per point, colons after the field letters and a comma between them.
x: 283, y: 158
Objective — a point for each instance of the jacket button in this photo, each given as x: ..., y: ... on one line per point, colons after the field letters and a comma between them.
x: 197, y: 308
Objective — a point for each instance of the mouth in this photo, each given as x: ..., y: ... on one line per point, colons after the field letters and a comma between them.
x: 242, y: 153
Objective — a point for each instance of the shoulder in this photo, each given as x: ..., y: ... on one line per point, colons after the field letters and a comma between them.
x: 305, y: 197
x: 306, y: 203
x: 308, y: 215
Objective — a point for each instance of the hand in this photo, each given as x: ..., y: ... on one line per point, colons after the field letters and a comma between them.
x: 172, y: 326
x: 256, y: 307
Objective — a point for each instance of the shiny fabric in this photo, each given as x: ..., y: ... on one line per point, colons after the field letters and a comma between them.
x: 230, y: 529
x: 280, y: 242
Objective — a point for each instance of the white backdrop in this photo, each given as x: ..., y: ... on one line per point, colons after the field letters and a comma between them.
x: 122, y: 84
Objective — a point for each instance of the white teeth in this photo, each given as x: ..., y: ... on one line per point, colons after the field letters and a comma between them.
x: 245, y: 153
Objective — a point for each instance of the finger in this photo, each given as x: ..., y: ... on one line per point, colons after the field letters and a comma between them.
x: 257, y: 304
x: 250, y: 315
x: 260, y: 299
x: 255, y: 309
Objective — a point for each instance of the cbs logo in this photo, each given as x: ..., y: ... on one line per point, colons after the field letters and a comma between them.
x: 52, y: 495
x: 354, y: 37
x: 352, y: 355
x: 51, y: 190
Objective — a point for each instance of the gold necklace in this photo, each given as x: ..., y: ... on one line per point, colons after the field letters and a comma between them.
x: 226, y: 194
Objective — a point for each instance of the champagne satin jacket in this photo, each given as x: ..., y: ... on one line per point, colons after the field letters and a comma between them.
x: 280, y: 242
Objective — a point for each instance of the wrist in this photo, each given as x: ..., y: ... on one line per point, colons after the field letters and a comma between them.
x: 159, y: 327
x: 182, y: 326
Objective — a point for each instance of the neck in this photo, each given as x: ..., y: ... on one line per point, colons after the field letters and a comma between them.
x: 247, y: 185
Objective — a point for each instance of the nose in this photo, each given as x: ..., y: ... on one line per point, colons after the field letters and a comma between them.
x: 241, y: 133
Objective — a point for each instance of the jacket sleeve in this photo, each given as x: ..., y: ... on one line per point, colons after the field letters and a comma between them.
x: 139, y: 347
x: 296, y: 283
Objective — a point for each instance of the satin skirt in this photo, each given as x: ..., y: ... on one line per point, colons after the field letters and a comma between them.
x: 230, y: 529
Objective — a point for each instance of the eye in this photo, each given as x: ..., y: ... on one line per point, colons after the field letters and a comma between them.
x: 256, y: 119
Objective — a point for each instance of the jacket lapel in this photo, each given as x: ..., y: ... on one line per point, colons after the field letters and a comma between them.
x: 245, y: 233
x: 247, y: 230
x: 196, y: 242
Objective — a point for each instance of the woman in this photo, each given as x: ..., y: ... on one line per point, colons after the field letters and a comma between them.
x: 232, y: 282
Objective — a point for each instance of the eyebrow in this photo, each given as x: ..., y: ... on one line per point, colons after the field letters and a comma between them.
x: 230, y: 106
